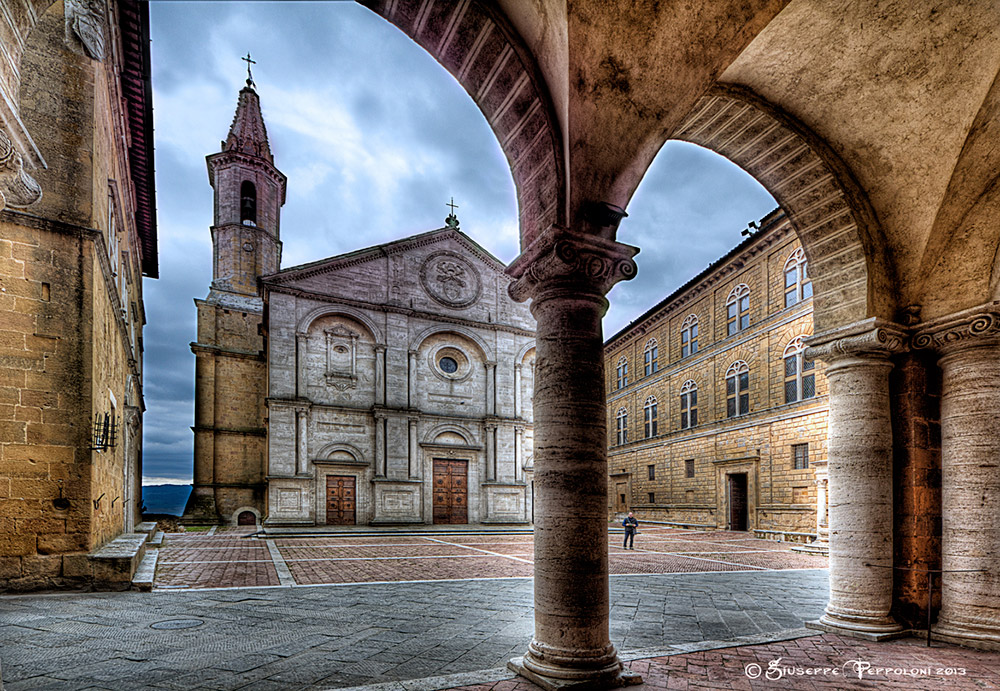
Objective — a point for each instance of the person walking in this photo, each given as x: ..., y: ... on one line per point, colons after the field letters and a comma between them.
x: 631, y: 525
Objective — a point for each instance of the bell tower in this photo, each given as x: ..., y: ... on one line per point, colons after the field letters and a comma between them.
x: 230, y: 437
x: 249, y: 194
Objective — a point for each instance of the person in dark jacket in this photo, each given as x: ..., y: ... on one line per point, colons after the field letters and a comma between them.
x: 631, y: 525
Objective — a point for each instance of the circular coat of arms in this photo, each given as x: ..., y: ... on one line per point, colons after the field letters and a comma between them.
x: 450, y: 279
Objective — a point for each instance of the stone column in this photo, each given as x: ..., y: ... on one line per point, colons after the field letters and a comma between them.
x: 302, y: 441
x: 517, y: 390
x: 301, y: 348
x: 414, y: 461
x: 518, y: 454
x: 411, y: 379
x: 566, y: 274
x: 380, y: 465
x: 491, y: 381
x: 970, y: 475
x: 860, y: 477
x: 379, y: 375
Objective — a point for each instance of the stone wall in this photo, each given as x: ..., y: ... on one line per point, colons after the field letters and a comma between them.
x: 71, y: 320
x: 759, y: 442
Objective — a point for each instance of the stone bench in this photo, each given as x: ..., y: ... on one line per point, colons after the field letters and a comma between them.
x: 114, y: 564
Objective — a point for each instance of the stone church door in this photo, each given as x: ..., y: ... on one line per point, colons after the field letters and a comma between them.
x: 738, y: 501
x: 340, y: 500
x: 451, y: 491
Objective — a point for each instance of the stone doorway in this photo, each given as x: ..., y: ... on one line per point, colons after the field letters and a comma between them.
x: 341, y: 500
x: 246, y: 518
x: 451, y: 491
x: 738, y: 503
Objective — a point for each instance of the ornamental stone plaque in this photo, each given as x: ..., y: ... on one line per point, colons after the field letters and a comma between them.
x: 450, y: 279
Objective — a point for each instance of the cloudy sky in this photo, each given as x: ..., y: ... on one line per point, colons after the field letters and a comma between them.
x: 375, y: 138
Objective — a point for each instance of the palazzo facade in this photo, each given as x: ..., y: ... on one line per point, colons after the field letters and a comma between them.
x: 390, y: 385
x: 716, y: 417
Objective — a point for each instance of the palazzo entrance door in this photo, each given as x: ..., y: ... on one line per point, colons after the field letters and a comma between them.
x: 341, y: 500
x: 451, y: 491
x: 738, y: 508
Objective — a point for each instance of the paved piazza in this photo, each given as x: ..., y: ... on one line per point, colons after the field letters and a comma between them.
x: 231, y: 558
x: 433, y: 610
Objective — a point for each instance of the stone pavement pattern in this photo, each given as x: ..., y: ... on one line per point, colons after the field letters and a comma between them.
x: 227, y: 559
x: 813, y: 663
x: 348, y: 635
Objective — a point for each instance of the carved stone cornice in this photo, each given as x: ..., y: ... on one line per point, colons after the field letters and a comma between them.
x: 980, y: 325
x: 567, y: 261
x: 872, y: 338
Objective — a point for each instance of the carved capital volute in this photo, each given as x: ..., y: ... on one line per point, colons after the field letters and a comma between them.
x: 563, y: 261
x: 871, y: 338
x: 17, y: 188
x: 970, y: 328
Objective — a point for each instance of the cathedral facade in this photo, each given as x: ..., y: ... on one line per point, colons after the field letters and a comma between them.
x: 391, y: 385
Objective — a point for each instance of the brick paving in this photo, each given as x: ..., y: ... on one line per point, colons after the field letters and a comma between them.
x: 197, y: 560
x: 815, y: 663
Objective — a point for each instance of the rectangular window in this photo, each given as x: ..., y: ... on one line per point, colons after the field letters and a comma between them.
x: 800, y: 456
x: 651, y: 470
x: 694, y: 339
x: 731, y: 318
x: 689, y: 467
x: 652, y: 498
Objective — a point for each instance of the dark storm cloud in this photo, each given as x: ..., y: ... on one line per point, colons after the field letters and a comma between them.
x: 375, y: 137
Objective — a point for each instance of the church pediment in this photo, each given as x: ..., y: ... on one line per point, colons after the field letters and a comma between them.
x: 442, y: 270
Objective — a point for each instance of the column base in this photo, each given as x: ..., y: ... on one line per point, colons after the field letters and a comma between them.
x: 985, y: 638
x: 883, y: 629
x: 600, y: 679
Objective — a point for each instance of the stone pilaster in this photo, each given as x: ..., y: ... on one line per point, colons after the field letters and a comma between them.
x: 567, y: 274
x: 380, y: 461
x: 302, y: 441
x: 860, y: 476
x: 490, y: 442
x: 491, y: 387
x: 379, y: 375
x: 411, y: 379
x: 413, y: 470
x: 969, y: 344
x: 822, y: 517
x: 301, y: 350
x: 517, y: 390
x: 518, y: 454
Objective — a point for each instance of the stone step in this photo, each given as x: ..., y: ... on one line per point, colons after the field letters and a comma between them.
x: 146, y: 573
x: 147, y: 527
x: 157, y: 541
x: 115, y: 563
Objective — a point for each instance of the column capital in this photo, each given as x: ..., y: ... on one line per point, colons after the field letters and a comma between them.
x: 561, y: 260
x: 970, y: 328
x: 489, y: 364
x: 871, y: 338
x: 379, y: 347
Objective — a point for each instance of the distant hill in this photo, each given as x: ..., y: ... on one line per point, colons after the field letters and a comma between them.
x: 168, y: 499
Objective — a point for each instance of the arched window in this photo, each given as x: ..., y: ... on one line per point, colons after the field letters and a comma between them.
x: 689, y: 404
x: 622, y: 372
x: 800, y: 377
x: 622, y: 426
x: 649, y: 415
x: 798, y: 287
x: 650, y: 356
x: 738, y: 309
x: 738, y: 389
x: 248, y: 204
x: 689, y: 335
